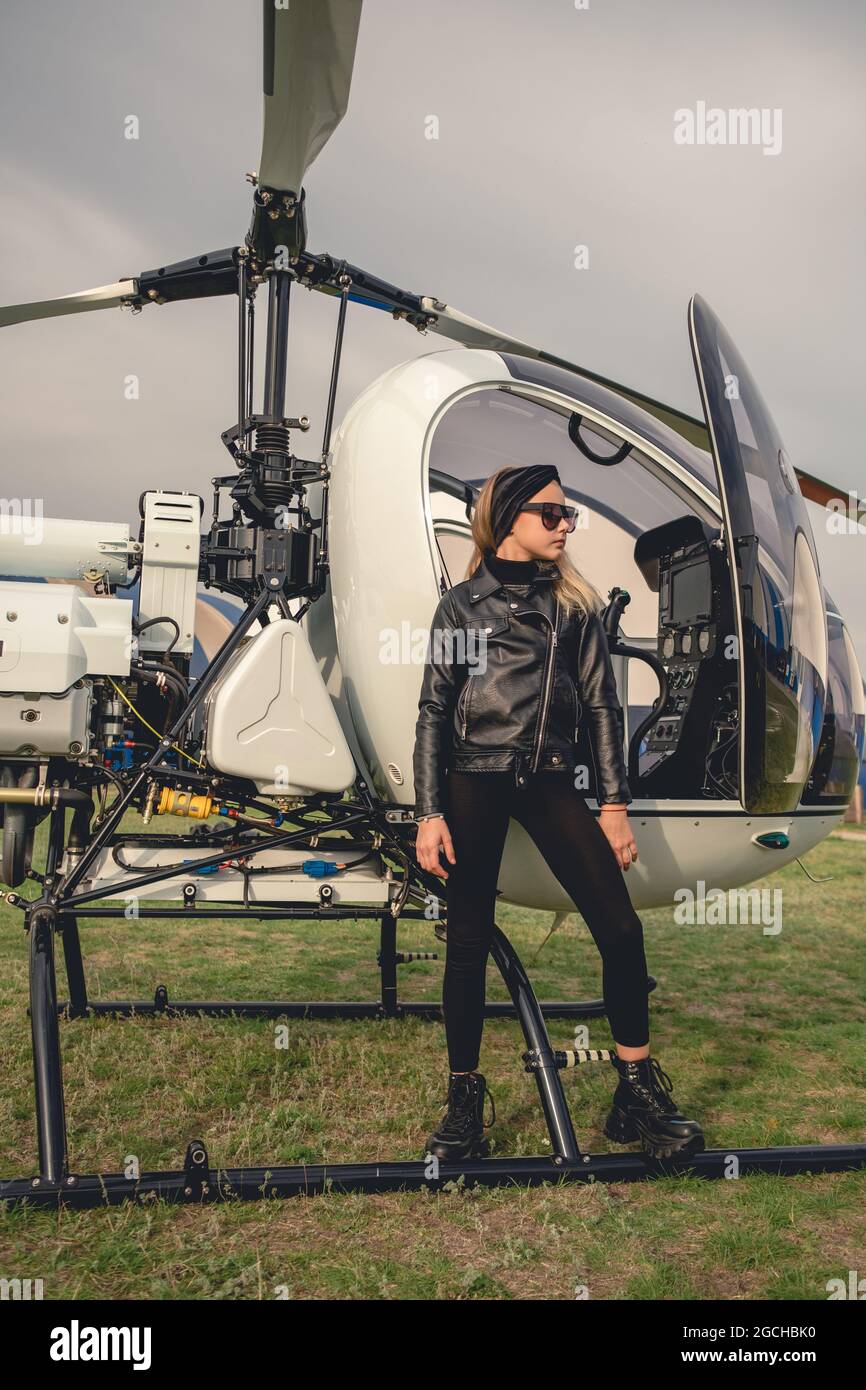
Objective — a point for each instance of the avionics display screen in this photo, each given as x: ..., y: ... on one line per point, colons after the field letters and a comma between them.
x: 691, y: 594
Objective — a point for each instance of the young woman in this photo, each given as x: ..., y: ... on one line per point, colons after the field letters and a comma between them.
x: 517, y: 656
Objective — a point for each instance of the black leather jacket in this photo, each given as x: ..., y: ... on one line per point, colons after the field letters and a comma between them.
x: 507, y: 679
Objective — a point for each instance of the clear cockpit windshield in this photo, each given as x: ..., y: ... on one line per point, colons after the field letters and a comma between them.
x: 782, y: 645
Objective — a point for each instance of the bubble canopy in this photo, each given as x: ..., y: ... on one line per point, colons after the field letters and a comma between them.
x: 419, y: 442
x: 406, y: 461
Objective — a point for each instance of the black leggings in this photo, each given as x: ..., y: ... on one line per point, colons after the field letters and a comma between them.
x: 568, y: 835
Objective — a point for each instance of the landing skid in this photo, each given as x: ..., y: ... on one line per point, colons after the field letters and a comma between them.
x: 57, y: 1184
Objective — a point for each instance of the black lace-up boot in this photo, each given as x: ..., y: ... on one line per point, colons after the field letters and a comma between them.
x: 461, y: 1133
x: 644, y: 1109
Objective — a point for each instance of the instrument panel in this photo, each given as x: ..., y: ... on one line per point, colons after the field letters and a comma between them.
x: 684, y: 561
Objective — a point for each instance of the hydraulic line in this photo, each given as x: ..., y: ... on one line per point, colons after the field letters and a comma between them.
x: 143, y: 721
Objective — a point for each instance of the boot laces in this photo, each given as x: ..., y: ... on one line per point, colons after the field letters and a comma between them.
x: 460, y: 1103
x: 492, y: 1119
x: 658, y: 1085
x: 661, y: 1084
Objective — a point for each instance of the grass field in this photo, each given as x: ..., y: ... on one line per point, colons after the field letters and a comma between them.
x: 762, y: 1035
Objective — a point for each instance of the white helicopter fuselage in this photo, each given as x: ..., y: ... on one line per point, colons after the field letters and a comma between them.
x: 390, y: 528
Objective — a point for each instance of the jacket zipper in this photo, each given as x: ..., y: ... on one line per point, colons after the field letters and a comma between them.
x: 464, y: 695
x: 547, y: 690
x: 550, y: 667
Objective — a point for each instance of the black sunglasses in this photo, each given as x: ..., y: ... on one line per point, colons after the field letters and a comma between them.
x: 552, y: 513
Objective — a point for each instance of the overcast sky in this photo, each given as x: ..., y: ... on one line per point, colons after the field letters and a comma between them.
x: 556, y: 129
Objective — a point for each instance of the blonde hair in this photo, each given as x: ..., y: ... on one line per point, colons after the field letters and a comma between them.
x: 571, y: 587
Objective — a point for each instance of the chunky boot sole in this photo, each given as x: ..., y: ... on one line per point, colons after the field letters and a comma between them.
x: 479, y: 1149
x: 622, y: 1129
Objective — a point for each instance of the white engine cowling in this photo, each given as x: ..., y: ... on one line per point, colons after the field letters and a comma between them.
x: 52, y: 638
x: 52, y: 635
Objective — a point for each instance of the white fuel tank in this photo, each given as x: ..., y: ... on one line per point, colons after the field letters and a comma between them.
x: 270, y: 719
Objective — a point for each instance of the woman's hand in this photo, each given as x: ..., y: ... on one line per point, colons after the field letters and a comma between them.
x: 433, y: 837
x: 615, y: 825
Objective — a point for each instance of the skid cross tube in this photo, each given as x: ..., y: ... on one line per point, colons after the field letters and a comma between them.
x: 44, y: 1030
x: 199, y: 1182
x: 389, y: 1005
x: 47, y: 1074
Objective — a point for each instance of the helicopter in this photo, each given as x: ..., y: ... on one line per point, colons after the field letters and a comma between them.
x: 289, y: 756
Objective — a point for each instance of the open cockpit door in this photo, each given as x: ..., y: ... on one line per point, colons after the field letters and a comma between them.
x: 781, y: 638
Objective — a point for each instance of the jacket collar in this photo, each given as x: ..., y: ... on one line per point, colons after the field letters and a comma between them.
x: 483, y: 581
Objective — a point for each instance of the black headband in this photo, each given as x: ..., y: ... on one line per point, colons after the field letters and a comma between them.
x: 512, y: 489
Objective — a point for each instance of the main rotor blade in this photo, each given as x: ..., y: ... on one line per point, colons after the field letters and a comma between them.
x: 309, y: 52
x: 451, y: 323
x: 105, y: 297
x: 816, y: 490
x: 200, y: 277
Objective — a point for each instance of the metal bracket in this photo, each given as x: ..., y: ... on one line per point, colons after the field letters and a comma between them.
x: 196, y: 1170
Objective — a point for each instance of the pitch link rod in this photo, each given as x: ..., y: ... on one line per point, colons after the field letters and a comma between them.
x: 329, y: 422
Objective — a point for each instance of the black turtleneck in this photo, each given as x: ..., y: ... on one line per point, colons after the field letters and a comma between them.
x: 510, y: 571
